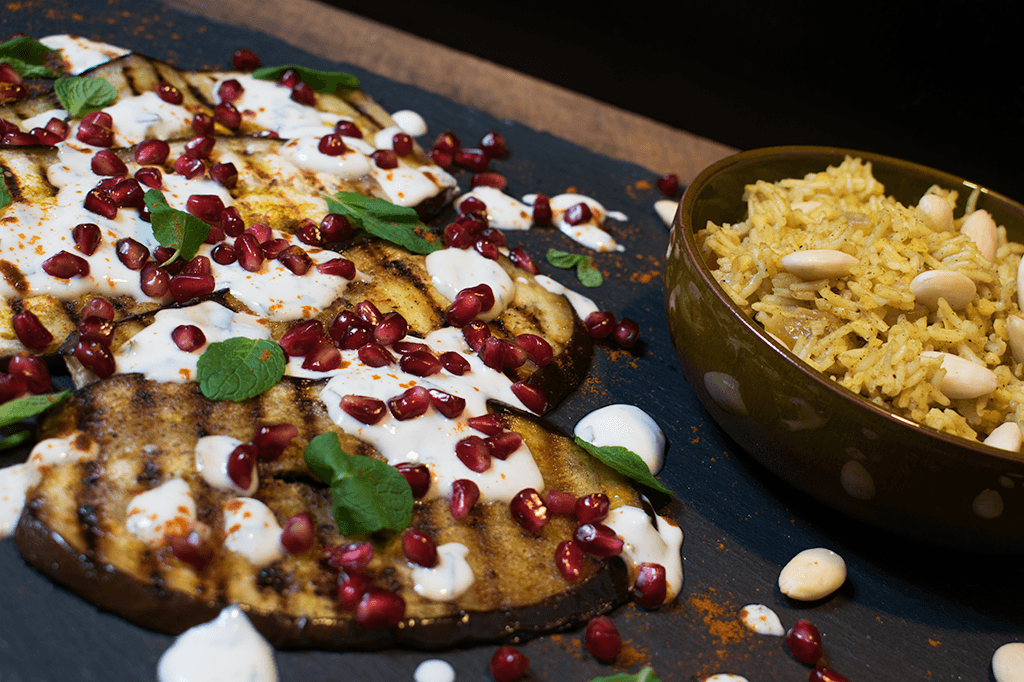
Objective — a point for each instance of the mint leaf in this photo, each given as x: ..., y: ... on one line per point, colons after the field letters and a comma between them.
x: 588, y: 275
x: 81, y: 95
x: 367, y: 495
x: 15, y: 410
x: 626, y: 462
x: 173, y: 228
x: 644, y: 675
x: 321, y: 81
x: 14, y: 439
x: 239, y: 368
x: 382, y: 219
x: 27, y: 56
x: 5, y: 196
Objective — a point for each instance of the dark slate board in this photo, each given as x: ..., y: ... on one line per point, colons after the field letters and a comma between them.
x: 906, y: 611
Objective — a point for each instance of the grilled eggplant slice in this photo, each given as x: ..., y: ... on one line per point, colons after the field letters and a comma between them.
x: 73, y: 529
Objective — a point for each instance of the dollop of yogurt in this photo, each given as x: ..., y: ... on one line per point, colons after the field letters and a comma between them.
x: 625, y: 426
x: 452, y: 270
x: 449, y: 579
x: 590, y: 233
x: 81, y: 54
x: 580, y: 303
x: 169, y: 508
x: 645, y: 544
x: 504, y: 212
x: 212, y: 455
x: 252, y: 531
x: 762, y: 620
x: 410, y: 122
x: 227, y: 649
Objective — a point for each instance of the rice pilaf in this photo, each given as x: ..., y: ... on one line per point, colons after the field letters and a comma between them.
x: 866, y: 329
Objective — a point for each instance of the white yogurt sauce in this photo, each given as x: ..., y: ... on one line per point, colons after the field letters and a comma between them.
x: 589, y: 234
x: 625, y: 426
x: 762, y: 620
x: 580, y: 303
x: 168, y: 508
x: 227, y: 649
x: 153, y: 352
x: 408, y: 186
x: 410, y: 122
x: 1008, y: 662
x: 252, y: 531
x: 725, y: 677
x: 503, y: 211
x: 452, y: 270
x: 212, y: 455
x: 384, y: 138
x: 270, y: 106
x: 17, y: 479
x: 81, y: 54
x: 645, y: 544
x: 666, y: 210
x: 146, y: 116
x: 434, y: 670
x: 449, y: 579
x: 304, y: 152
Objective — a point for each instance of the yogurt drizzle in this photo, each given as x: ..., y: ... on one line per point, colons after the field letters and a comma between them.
x: 227, y: 649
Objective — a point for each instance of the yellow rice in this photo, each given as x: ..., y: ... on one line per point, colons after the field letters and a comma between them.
x: 865, y: 330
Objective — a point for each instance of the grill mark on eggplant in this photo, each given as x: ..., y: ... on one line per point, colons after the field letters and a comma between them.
x: 129, y: 78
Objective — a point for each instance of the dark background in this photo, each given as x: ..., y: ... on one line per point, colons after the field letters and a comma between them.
x: 939, y: 83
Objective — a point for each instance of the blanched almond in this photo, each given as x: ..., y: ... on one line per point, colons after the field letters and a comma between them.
x: 956, y: 288
x: 818, y: 264
x: 1015, y: 330
x: 938, y: 214
x: 980, y: 227
x: 1005, y: 436
x: 964, y: 379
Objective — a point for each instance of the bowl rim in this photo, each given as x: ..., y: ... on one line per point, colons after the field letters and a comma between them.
x: 703, y: 272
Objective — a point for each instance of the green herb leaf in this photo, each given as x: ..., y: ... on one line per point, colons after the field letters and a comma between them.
x: 382, y: 219
x: 5, y: 196
x: 81, y: 95
x: 239, y: 368
x: 367, y: 494
x: 14, y: 439
x: 588, y: 275
x: 173, y: 228
x: 14, y: 411
x: 27, y: 56
x: 644, y: 675
x: 321, y: 81
x: 626, y: 462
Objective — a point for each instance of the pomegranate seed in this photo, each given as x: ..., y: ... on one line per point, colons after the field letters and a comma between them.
x: 493, y: 353
x: 418, y: 477
x: 602, y: 639
x: 227, y: 115
x: 406, y: 347
x: 488, y: 179
x: 600, y: 324
x: 476, y: 334
x: 225, y: 173
x: 98, y: 201
x: 493, y: 144
x: 242, y: 465
x: 401, y: 143
x: 202, y: 124
x: 482, y: 292
x: 189, y: 166
x: 380, y: 609
x: 290, y: 78
x: 33, y: 370
x: 169, y: 93
x: 6, y: 126
x: 364, y: 408
x: 20, y: 139
x: 356, y: 336
x: 419, y: 548
x: 390, y: 329
x: 206, y: 207
x: 298, y: 534
x: 386, y: 159
x: 106, y: 162
x: 374, y: 354
x: 351, y: 588
x: 87, y: 237
x: 473, y: 223
x: 302, y: 337
x: 335, y: 228
x: 96, y: 329
x: 199, y: 265
x: 456, y: 236
x: 490, y: 424
x: 578, y: 213
x: 215, y: 235
x: 58, y: 127
x: 494, y: 237
x: 230, y: 90
x: 529, y: 511
x: 559, y: 502
x: 332, y: 145
x: 231, y: 221
x: 592, y: 508
x: 308, y: 232
x: 44, y: 136
x: 351, y: 557
x: 804, y: 641
x: 504, y: 444
x: 272, y: 248
x: 150, y: 177
x: 669, y: 184
x: 348, y: 129
x: 463, y: 309
x: 12, y: 387
x: 98, y: 307
x: 447, y: 142
x: 324, y: 358
x: 440, y: 158
x: 66, y: 265
x: 271, y: 440
x: 532, y: 397
x: 303, y: 93
x: 185, y: 287
x: 194, y: 548
x: 368, y: 313
x: 454, y: 363
x: 128, y: 193
x: 513, y: 356
x: 188, y: 337
x: 410, y: 404
x: 598, y: 539
x: 474, y: 453
x: 569, y: 560
x: 96, y: 129
x: 296, y: 260
x: 825, y: 674
x: 223, y: 254
x: 245, y: 60
x: 420, y: 363
x: 465, y: 494
x: 542, y: 210
x: 200, y: 146
x: 650, y: 587
x: 249, y: 253
x: 96, y: 357
x: 486, y: 249
x: 627, y: 333
x: 155, y: 281
x: 8, y: 74
x: 451, y: 406
x: 472, y: 205
x: 262, y: 232
x: 537, y: 349
x: 508, y: 664
x: 471, y: 159
x: 131, y: 253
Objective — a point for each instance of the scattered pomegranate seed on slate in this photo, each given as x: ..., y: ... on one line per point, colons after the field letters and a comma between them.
x: 804, y: 641
x: 602, y: 639
x: 493, y: 144
x: 245, y: 60
x: 669, y: 184
x: 650, y: 587
x: 825, y: 674
x: 508, y: 664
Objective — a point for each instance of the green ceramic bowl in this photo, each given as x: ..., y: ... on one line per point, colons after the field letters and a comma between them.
x: 823, y: 439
